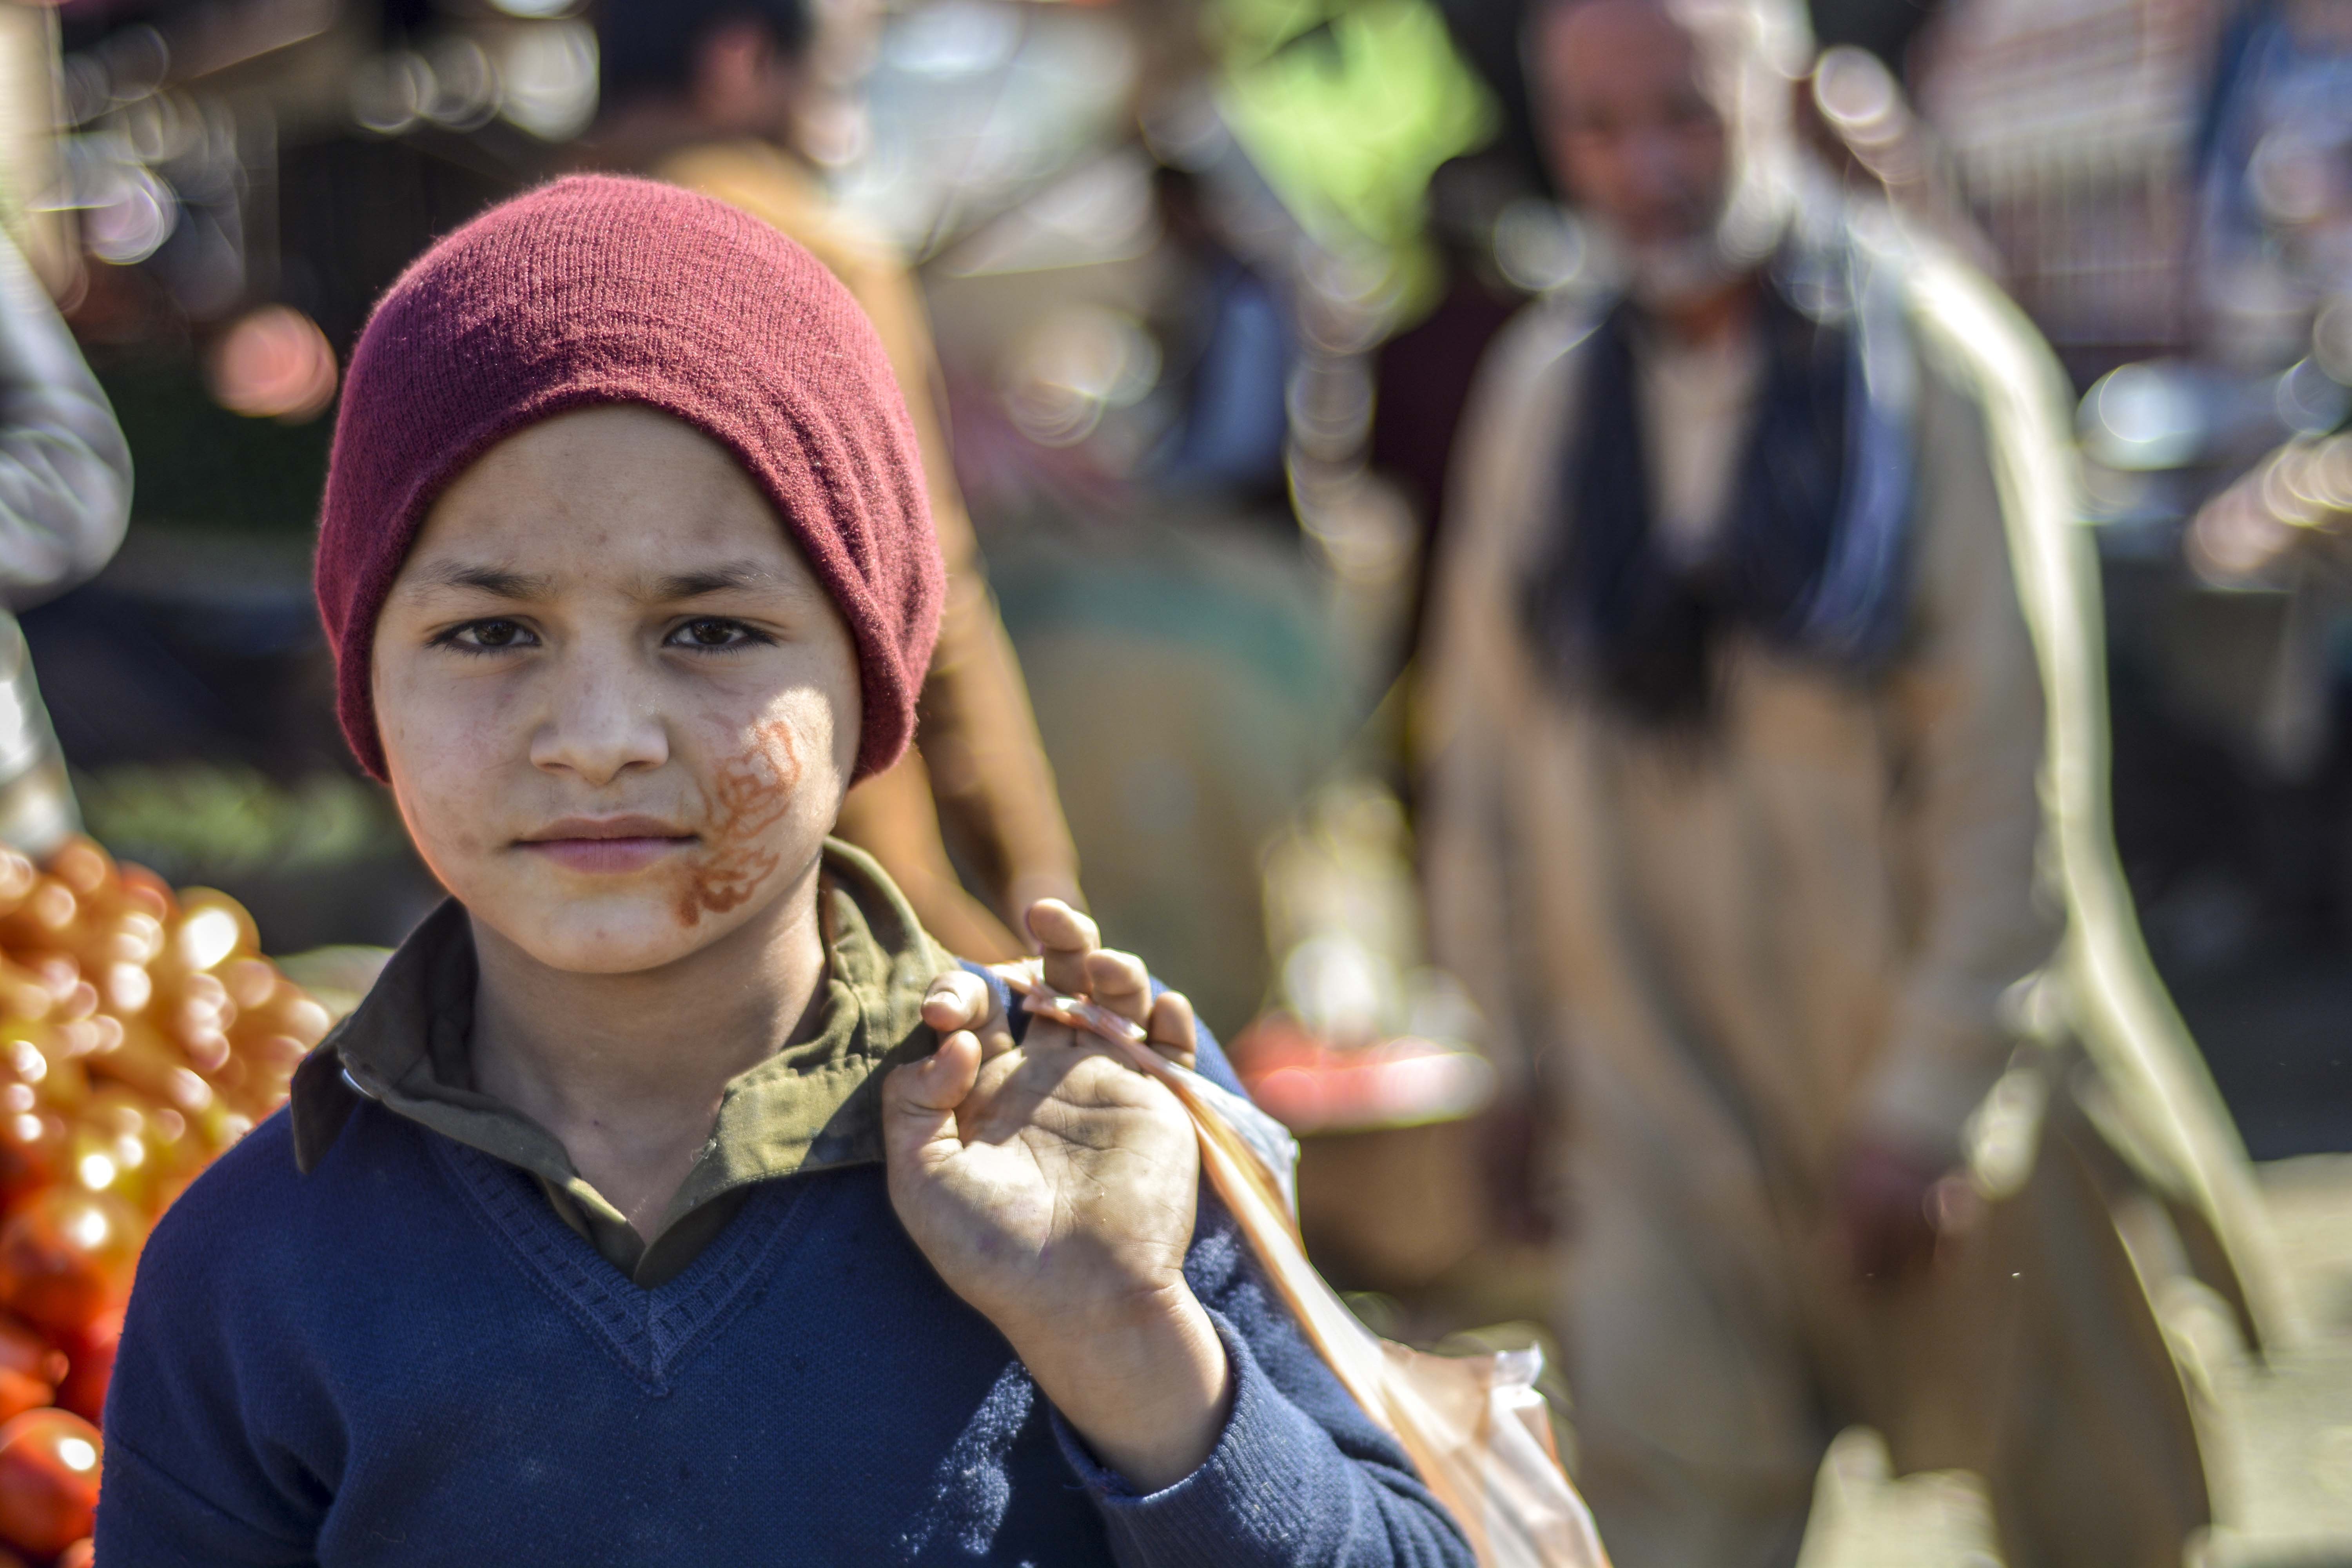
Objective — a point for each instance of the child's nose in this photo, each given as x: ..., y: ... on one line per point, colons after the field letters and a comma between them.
x: 601, y: 723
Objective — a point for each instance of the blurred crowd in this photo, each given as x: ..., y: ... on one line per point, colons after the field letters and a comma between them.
x: 1685, y: 621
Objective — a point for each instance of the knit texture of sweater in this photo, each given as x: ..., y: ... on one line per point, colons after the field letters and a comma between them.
x: 406, y: 1357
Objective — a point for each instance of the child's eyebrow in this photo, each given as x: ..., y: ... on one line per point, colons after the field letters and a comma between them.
x: 734, y: 575
x: 492, y: 580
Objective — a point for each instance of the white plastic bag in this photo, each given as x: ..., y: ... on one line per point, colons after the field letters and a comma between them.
x: 1474, y: 1426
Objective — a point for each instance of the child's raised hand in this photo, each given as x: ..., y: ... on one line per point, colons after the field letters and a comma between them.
x: 1078, y: 964
x: 1075, y: 965
x: 1053, y: 1186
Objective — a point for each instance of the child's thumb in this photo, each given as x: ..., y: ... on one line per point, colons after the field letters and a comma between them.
x: 919, y: 1101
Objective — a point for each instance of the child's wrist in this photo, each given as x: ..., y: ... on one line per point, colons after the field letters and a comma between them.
x: 1144, y: 1381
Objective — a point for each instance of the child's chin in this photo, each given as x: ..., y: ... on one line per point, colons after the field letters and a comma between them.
x: 609, y: 937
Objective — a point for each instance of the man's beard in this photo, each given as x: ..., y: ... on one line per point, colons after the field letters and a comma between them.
x: 1678, y: 272
x: 1749, y: 224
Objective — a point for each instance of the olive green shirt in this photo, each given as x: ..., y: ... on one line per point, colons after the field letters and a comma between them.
x: 813, y: 1105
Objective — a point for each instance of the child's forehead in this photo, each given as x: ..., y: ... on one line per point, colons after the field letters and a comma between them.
x: 512, y: 576
x: 623, y: 454
x: 612, y: 493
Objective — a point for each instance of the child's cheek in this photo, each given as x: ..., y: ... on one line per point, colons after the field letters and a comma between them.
x: 445, y: 821
x: 750, y: 796
x: 446, y: 792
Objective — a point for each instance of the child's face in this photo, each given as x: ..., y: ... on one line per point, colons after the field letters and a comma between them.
x: 620, y: 712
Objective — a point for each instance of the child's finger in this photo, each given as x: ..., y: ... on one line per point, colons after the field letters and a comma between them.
x: 919, y: 1101
x: 957, y: 999
x: 1064, y: 937
x: 962, y: 1000
x: 1119, y: 982
x: 1174, y: 1031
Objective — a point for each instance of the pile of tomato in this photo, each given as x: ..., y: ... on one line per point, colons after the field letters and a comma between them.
x: 140, y: 1034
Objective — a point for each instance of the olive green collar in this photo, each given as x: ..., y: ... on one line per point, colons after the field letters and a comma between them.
x: 813, y: 1105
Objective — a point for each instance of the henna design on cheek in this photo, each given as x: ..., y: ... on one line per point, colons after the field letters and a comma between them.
x: 752, y: 793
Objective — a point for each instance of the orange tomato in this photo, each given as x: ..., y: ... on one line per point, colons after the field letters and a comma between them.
x: 18, y: 877
x: 142, y: 890
x: 66, y: 1257
x: 210, y: 929
x: 90, y: 1366
x: 138, y: 1056
x: 159, y: 1131
x: 82, y: 865
x: 32, y: 1150
x: 30, y: 1369
x: 42, y: 921
x: 22, y: 994
x: 48, y: 1480
x: 23, y: 1349
x: 98, y: 1159
x: 19, y: 1393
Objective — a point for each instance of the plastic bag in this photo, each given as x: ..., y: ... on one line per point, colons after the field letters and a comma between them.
x: 1474, y: 1426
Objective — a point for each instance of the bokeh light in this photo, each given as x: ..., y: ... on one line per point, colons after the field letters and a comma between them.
x: 274, y: 363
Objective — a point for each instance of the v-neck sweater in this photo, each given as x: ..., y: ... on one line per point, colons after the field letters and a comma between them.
x: 810, y: 1105
x: 405, y: 1355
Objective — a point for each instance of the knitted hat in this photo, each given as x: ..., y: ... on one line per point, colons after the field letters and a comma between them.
x: 596, y: 289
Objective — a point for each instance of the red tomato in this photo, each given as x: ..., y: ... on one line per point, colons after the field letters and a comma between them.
x: 66, y: 1257
x: 23, y: 1349
x: 91, y: 1357
x: 48, y: 1480
x: 32, y: 1152
x: 19, y: 1393
x: 30, y: 1370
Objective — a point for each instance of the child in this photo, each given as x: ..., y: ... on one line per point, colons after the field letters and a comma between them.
x: 639, y: 1215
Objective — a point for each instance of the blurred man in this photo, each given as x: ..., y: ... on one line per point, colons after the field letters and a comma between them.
x: 65, y: 499
x: 1736, y: 733
x: 749, y: 101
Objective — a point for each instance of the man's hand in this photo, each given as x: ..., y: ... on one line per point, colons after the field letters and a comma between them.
x: 1053, y: 1186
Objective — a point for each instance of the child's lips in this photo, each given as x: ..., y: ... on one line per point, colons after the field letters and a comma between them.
x: 607, y: 845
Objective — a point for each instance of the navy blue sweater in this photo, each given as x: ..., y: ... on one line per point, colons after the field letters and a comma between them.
x: 406, y: 1357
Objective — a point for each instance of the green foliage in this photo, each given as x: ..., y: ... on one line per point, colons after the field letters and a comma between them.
x: 1348, y: 107
x: 201, y: 822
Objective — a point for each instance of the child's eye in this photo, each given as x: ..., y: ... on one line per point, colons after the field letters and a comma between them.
x: 488, y: 636
x: 712, y: 632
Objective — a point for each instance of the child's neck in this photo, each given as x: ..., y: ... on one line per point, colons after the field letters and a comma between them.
x: 627, y: 1070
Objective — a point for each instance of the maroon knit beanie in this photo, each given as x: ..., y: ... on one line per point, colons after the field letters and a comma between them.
x: 596, y: 289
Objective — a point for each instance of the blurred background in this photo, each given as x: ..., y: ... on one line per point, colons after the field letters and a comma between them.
x: 1208, y: 281
x: 1208, y: 284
